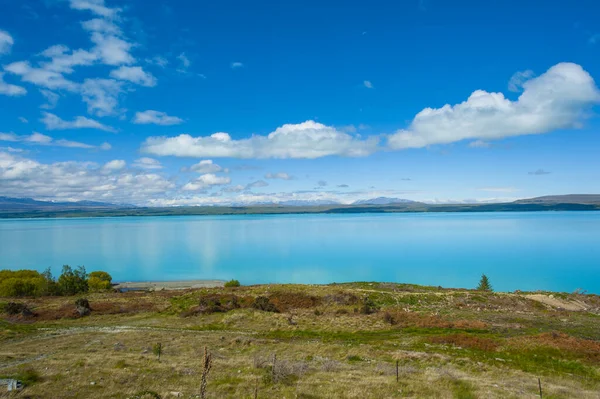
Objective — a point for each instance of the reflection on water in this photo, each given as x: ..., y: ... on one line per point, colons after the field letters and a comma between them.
x: 528, y: 251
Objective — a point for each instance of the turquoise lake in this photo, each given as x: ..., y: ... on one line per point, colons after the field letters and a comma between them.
x: 528, y: 251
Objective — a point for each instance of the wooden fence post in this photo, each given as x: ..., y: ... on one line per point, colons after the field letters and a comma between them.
x: 540, y: 385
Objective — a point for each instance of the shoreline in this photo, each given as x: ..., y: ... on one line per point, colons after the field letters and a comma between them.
x: 167, y: 285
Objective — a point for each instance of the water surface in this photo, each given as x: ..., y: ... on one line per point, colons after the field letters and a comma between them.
x: 528, y: 251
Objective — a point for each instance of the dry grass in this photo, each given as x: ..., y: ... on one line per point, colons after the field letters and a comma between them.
x: 482, y: 348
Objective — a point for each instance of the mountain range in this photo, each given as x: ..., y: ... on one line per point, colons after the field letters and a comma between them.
x: 27, y: 207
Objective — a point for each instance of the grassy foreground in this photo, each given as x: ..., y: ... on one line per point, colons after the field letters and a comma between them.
x: 328, y: 341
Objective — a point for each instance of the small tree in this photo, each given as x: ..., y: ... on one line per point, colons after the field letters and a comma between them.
x: 71, y: 281
x: 484, y: 284
x: 82, y: 305
x: 232, y: 283
x: 157, y: 350
x: 99, y: 281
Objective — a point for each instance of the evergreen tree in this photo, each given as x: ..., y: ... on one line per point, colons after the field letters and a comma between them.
x: 484, y: 284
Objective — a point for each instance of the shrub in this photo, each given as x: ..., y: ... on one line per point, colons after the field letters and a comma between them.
x: 15, y: 308
x: 72, y: 282
x: 232, y: 283
x: 263, y: 303
x: 99, y: 281
x: 368, y: 306
x: 21, y: 283
x: 82, y: 306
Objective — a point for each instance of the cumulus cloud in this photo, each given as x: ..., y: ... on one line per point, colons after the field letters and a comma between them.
x: 23, y: 177
x: 11, y: 90
x: 206, y: 166
x: 304, y: 140
x: 147, y: 163
x: 156, y: 118
x: 206, y: 181
x: 540, y: 172
x: 280, y: 175
x: 135, y: 75
x: 101, y: 96
x: 557, y: 99
x: 109, y: 46
x: 53, y: 122
x: 40, y: 77
x: 41, y: 139
x: 114, y: 165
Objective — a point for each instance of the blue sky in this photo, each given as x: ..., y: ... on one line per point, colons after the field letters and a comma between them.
x: 193, y: 103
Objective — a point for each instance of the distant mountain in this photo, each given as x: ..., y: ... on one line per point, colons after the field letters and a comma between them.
x: 382, y: 201
x: 308, y: 203
x: 29, y: 204
x: 593, y: 199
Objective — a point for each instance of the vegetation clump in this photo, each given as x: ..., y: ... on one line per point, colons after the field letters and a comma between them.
x: 82, y: 306
x: 263, y: 303
x: 15, y: 308
x: 232, y: 283
x: 31, y: 283
x: 99, y: 281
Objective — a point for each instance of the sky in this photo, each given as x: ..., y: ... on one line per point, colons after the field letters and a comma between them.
x: 164, y: 103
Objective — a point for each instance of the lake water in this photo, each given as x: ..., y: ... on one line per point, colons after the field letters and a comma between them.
x: 527, y: 251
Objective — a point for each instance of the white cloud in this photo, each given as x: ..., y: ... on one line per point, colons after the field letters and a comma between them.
x: 479, y: 144
x: 51, y: 99
x: 368, y: 84
x: 206, y: 166
x: 147, y: 163
x: 304, y: 140
x: 158, y: 60
x: 40, y: 76
x: 516, y: 81
x: 206, y: 181
x: 156, y: 117
x: 135, y: 75
x: 114, y: 165
x: 6, y: 42
x: 8, y: 137
x: 280, y: 175
x: 63, y: 62
x: 41, y: 139
x: 557, y: 99
x: 101, y: 96
x: 11, y: 90
x: 23, y: 120
x: 184, y: 63
x: 53, y: 122
x: 23, y: 177
x: 236, y: 65
x: 96, y: 7
x: 256, y: 184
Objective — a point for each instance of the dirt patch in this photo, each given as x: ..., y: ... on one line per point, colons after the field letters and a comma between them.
x: 550, y: 300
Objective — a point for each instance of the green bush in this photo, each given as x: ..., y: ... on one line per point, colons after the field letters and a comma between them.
x: 232, y: 283
x: 21, y: 283
x: 263, y: 303
x: 72, y: 282
x: 99, y: 281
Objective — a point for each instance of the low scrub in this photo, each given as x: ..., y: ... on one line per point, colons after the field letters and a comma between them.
x: 413, y: 319
x: 466, y: 341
